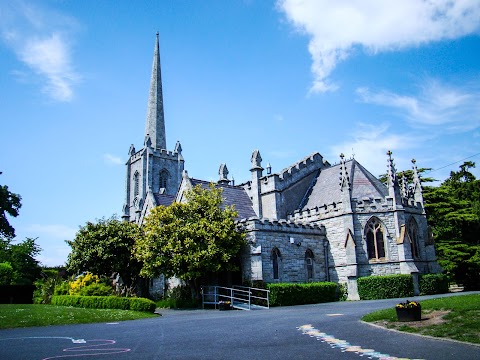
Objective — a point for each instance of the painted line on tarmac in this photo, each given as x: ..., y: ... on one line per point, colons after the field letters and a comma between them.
x: 345, y: 346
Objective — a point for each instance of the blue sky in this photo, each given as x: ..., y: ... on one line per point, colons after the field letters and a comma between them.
x: 286, y: 77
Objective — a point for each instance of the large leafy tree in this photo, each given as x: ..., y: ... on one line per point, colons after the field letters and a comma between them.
x: 453, y: 211
x: 191, y: 240
x: 105, y: 247
x: 25, y: 269
x: 9, y: 205
x: 17, y: 260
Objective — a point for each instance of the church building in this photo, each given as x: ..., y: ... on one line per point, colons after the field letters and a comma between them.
x: 312, y: 221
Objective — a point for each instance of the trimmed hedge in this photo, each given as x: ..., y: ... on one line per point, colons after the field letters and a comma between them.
x: 385, y: 287
x: 104, y: 302
x: 431, y: 284
x: 286, y: 294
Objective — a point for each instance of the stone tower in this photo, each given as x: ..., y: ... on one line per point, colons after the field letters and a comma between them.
x: 153, y: 173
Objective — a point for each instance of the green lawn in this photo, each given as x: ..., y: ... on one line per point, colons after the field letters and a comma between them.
x: 12, y: 316
x: 461, y: 323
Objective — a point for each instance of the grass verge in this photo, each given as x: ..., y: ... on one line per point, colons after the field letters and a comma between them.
x: 13, y: 316
x: 460, y: 318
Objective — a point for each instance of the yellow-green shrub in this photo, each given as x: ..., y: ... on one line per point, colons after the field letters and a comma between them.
x: 81, y: 281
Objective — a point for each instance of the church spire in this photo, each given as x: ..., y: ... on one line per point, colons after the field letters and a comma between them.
x: 155, y: 125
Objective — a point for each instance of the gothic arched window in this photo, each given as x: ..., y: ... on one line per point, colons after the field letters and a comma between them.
x: 136, y: 183
x: 375, y: 239
x: 163, y: 179
x: 413, y: 235
x: 309, y: 264
x: 276, y: 262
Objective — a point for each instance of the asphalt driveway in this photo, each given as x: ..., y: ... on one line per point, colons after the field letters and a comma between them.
x: 321, y: 331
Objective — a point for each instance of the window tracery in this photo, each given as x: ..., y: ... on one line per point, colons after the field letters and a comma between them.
x: 375, y: 239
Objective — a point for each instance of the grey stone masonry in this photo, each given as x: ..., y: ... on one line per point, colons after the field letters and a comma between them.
x: 314, y: 221
x: 293, y: 242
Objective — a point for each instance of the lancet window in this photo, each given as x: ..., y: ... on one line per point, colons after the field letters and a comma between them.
x: 375, y: 239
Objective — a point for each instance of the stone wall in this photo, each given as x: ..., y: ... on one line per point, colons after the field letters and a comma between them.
x: 292, y: 241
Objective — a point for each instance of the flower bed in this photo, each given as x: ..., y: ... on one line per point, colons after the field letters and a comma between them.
x: 224, y: 305
x: 409, y: 311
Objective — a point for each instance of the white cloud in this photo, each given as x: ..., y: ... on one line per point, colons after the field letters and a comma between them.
x: 447, y: 107
x: 337, y: 27
x: 53, y: 231
x: 57, y: 255
x: 370, y: 142
x: 112, y: 159
x: 41, y: 39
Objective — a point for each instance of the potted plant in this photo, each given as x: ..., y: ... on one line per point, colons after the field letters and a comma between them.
x: 409, y: 311
x: 224, y: 305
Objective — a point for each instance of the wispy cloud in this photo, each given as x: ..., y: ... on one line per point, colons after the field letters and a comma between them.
x: 370, y: 141
x: 112, y: 159
x: 41, y: 40
x: 336, y: 27
x: 436, y: 104
x: 54, y: 231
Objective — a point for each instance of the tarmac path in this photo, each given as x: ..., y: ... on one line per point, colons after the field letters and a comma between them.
x: 320, y: 331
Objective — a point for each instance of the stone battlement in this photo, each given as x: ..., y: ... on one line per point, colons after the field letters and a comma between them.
x: 156, y: 152
x: 311, y: 162
x: 366, y: 205
x: 163, y: 152
x: 317, y: 212
x: 290, y: 226
x: 294, y: 173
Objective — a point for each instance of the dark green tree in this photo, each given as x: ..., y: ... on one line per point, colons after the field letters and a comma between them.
x: 191, y: 240
x: 453, y: 211
x: 9, y: 205
x: 21, y: 257
x: 106, y: 247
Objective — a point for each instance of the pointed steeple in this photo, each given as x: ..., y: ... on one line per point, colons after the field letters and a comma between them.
x: 155, y: 125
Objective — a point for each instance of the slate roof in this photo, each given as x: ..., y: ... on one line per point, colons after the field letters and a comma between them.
x: 163, y: 199
x: 325, y: 189
x: 233, y: 195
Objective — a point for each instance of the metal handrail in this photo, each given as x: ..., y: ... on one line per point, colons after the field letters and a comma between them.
x: 234, y: 295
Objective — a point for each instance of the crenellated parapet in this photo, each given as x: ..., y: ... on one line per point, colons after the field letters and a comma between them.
x: 163, y: 153
x: 287, y: 226
x: 294, y: 173
x: 317, y: 213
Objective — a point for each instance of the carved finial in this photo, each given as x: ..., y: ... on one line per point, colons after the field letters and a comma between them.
x: 269, y: 168
x: 131, y: 151
x: 403, y: 187
x: 391, y: 171
x: 417, y: 184
x: 256, y: 159
x: 223, y: 174
x: 148, y: 141
x: 178, y: 147
x: 344, y: 178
